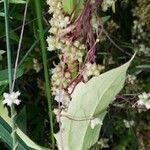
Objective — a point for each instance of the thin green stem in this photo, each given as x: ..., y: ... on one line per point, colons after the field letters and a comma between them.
x: 6, y: 8
x: 13, y: 112
x: 44, y: 57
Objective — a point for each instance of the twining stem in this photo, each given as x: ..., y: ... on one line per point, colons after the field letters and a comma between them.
x: 6, y: 9
x: 13, y: 112
x: 46, y: 74
x: 19, y: 47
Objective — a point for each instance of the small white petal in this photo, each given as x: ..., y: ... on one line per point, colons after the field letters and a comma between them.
x: 58, y: 98
x: 4, y: 101
x: 128, y: 124
x: 92, y: 125
x: 17, y: 101
x: 145, y: 95
x: 6, y: 95
x: 12, y: 95
x: 95, y: 122
x: 140, y: 102
x: 140, y: 96
x: 147, y: 105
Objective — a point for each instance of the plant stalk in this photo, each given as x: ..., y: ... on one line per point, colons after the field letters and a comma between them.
x: 46, y: 73
x: 9, y: 62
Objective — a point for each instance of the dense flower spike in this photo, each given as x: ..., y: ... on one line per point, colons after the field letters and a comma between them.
x: 72, y: 45
x: 141, y: 28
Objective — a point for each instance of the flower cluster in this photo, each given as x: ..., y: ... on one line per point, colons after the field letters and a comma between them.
x: 128, y: 124
x: 94, y: 122
x: 60, y: 80
x: 36, y: 65
x: 107, y: 4
x: 141, y: 28
x: 71, y: 51
x: 144, y: 100
x: 92, y: 70
x: 103, y: 143
x: 131, y: 79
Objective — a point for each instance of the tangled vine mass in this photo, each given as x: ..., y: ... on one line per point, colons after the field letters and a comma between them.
x: 75, y: 39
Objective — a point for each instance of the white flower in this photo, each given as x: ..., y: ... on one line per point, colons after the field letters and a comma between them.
x: 36, y: 66
x: 106, y: 4
x: 64, y: 22
x: 103, y: 142
x: 96, y: 121
x: 131, y: 78
x: 144, y: 100
x: 128, y: 124
x: 92, y: 70
x: 61, y: 96
x: 11, y: 98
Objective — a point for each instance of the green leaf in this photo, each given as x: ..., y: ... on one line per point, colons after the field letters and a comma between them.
x: 13, y: 35
x: 4, y: 76
x: 5, y: 133
x: 68, y: 5
x: 1, y: 52
x: 18, y: 1
x: 15, y: 1
x: 2, y: 14
x: 90, y: 100
x: 144, y: 67
x: 106, y: 18
x: 22, y: 120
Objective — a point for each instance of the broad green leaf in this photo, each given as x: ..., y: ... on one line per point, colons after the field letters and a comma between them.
x: 5, y: 135
x: 90, y: 100
x: 5, y: 132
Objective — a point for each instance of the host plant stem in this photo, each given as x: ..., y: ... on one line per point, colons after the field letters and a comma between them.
x: 46, y: 72
x: 9, y: 62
